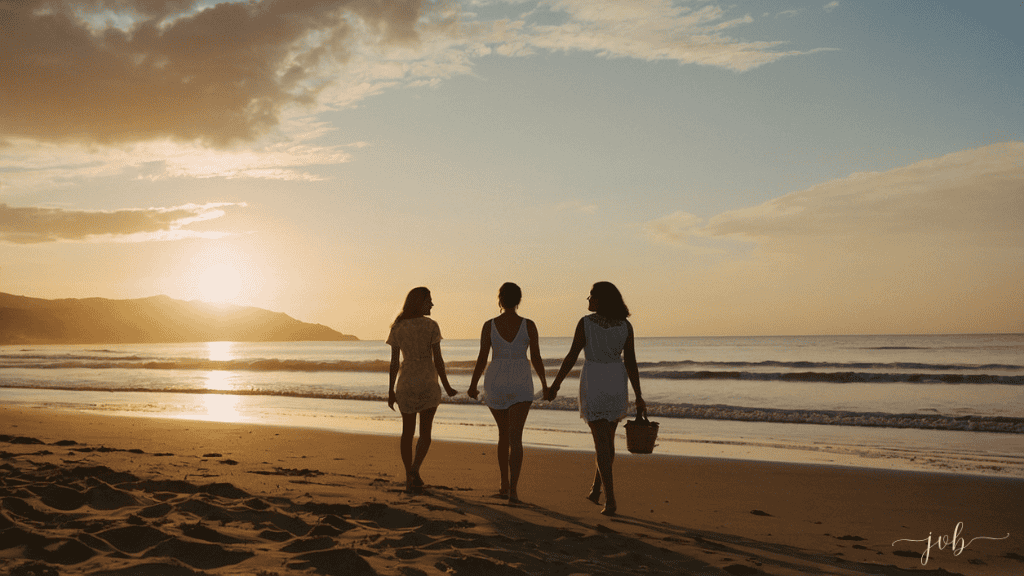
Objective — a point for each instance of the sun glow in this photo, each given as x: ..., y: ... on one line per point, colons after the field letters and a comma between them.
x: 220, y: 351
x: 221, y: 407
x: 219, y: 283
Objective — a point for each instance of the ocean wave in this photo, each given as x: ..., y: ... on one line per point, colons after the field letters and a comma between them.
x: 895, y: 348
x: 849, y: 366
x: 968, y: 423
x: 1002, y: 424
x: 683, y: 369
x: 838, y: 377
x: 910, y: 373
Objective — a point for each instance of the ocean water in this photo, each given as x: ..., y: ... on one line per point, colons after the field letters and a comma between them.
x: 952, y: 403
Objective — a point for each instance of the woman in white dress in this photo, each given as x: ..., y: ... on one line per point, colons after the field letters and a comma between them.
x: 508, y: 383
x: 606, y: 337
x: 413, y: 382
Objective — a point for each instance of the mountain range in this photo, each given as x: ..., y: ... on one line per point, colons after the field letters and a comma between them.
x: 25, y: 320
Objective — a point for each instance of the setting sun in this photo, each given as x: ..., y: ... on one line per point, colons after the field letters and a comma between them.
x: 219, y: 283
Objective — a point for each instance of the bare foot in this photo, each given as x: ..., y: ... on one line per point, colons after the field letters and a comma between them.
x: 595, y: 496
x: 411, y: 485
x: 609, y: 509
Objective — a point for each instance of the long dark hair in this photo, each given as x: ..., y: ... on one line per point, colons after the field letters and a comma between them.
x: 609, y: 301
x: 413, y: 304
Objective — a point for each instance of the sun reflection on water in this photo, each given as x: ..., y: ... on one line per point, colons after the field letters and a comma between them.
x: 221, y: 407
x: 220, y: 350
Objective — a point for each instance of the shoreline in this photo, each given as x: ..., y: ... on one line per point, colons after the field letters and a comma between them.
x: 678, y: 514
x: 987, y: 454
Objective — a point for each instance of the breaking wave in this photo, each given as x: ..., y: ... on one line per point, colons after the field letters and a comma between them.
x: 770, y: 371
x: 998, y: 424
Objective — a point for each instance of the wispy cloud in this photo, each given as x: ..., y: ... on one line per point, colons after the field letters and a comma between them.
x: 933, y: 247
x: 831, y: 6
x: 34, y: 165
x: 142, y: 70
x: 676, y: 228
x: 970, y: 198
x: 34, y: 225
x: 657, y: 30
x: 577, y: 206
x: 180, y: 88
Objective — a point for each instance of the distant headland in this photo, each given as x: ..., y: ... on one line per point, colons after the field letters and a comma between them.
x: 158, y: 319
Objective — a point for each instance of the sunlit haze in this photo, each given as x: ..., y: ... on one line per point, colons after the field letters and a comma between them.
x: 807, y: 167
x: 219, y: 283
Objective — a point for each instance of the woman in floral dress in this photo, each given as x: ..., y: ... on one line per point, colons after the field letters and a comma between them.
x: 416, y: 340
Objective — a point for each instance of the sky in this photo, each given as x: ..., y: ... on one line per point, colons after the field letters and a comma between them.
x: 752, y: 168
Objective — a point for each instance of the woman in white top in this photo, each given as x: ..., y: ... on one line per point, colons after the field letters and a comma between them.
x: 508, y: 384
x: 607, y: 339
x: 412, y: 384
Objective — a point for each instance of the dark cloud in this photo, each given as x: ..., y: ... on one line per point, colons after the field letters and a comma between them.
x: 169, y: 69
x: 34, y: 225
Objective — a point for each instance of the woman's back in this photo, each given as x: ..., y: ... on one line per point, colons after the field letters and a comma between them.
x: 504, y: 349
x: 415, y: 337
x: 605, y: 338
x: 508, y: 380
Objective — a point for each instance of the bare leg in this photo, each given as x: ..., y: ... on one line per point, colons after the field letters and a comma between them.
x: 423, y: 445
x: 595, y: 490
x: 517, y: 414
x: 501, y: 418
x: 408, y: 431
x: 603, y: 432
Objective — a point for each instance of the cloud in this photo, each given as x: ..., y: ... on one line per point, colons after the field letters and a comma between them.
x: 830, y: 6
x: 184, y: 89
x: 676, y: 228
x: 34, y: 225
x: 975, y: 194
x: 972, y: 195
x: 140, y: 70
x: 684, y: 231
x: 933, y: 247
x: 33, y: 165
x: 577, y: 206
x: 135, y: 70
x: 644, y: 30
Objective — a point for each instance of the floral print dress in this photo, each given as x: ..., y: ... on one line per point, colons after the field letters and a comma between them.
x: 417, y: 388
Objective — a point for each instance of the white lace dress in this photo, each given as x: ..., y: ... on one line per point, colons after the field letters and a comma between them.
x: 603, y: 381
x: 508, y: 379
x: 417, y: 388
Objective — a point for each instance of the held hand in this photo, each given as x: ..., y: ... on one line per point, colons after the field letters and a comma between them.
x: 451, y: 391
x: 392, y: 399
x: 473, y: 392
x: 552, y: 394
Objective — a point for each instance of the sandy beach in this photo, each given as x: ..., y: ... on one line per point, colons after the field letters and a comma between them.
x: 104, y: 495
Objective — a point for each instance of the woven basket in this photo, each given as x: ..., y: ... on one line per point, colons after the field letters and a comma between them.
x: 641, y: 434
